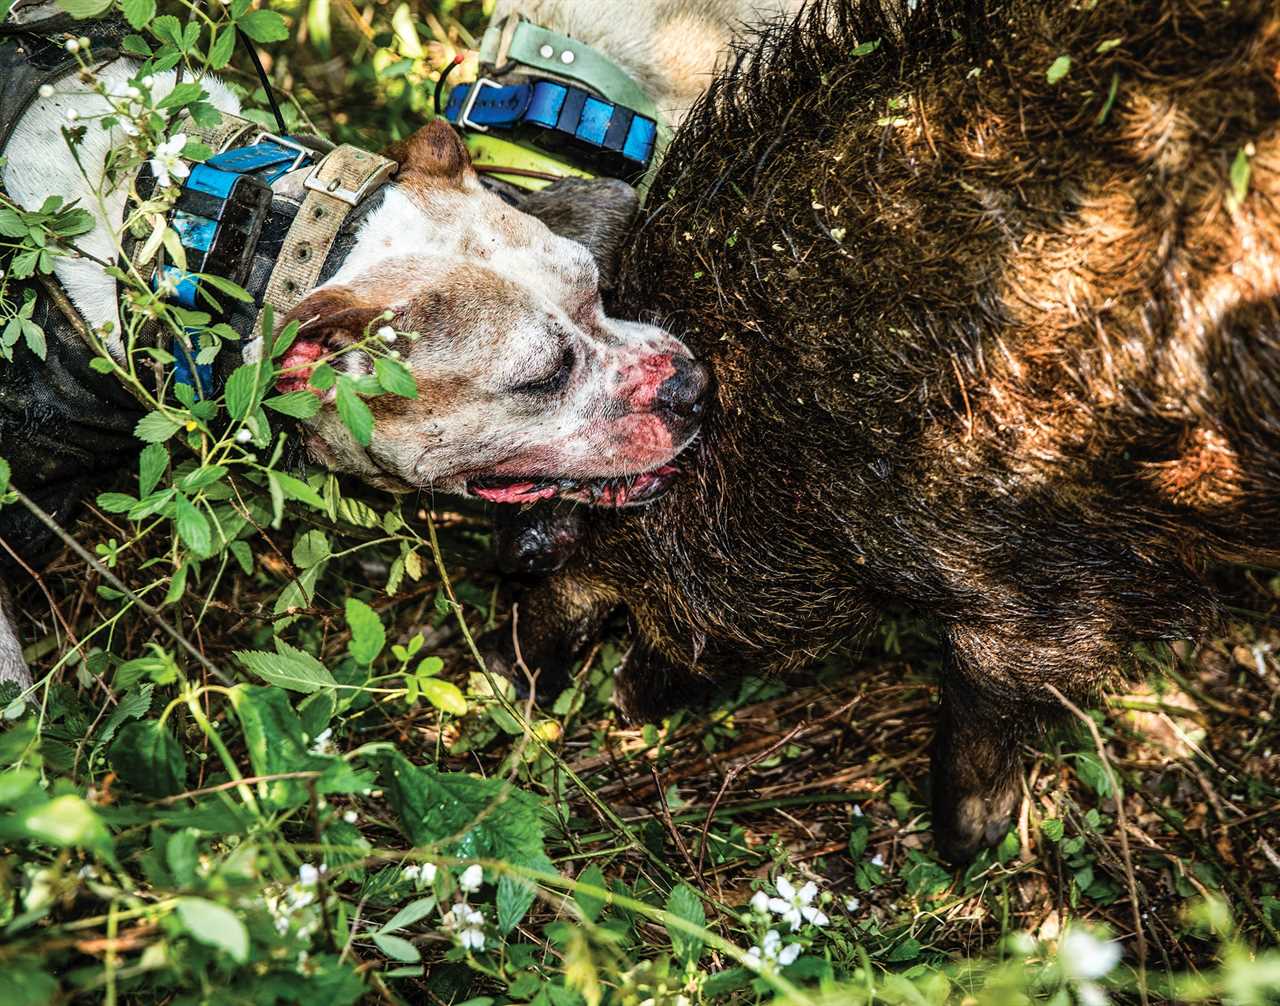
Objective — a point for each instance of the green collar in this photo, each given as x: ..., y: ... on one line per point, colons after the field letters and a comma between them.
x: 515, y: 44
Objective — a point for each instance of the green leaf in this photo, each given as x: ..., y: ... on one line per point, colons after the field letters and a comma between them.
x: 471, y: 818
x: 148, y: 759
x: 414, y: 911
x: 5, y: 474
x: 1058, y: 69
x: 443, y: 695
x: 395, y: 377
x: 242, y: 390
x: 397, y: 948
x: 138, y: 12
x: 156, y: 428
x: 866, y: 48
x: 243, y: 556
x: 263, y: 26
x: 67, y: 821
x: 215, y: 926
x: 33, y: 334
x: 367, y: 634
x: 134, y: 704
x: 193, y: 526
x: 311, y: 549
x: 296, y: 489
x: 182, y: 94
x: 684, y: 903
x: 1241, y: 170
x: 1108, y: 44
x: 591, y: 904
x: 1053, y: 829
x: 276, y: 743
x: 1093, y: 774
x: 290, y: 668
x: 84, y: 9
x: 202, y: 477
x: 221, y: 51
x: 168, y: 28
x: 298, y: 404
x: 116, y: 502
x: 151, y: 465
x: 353, y: 412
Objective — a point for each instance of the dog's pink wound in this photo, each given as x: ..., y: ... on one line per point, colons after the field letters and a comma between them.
x: 298, y: 356
x: 641, y: 380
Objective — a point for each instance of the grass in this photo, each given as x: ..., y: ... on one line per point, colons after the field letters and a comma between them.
x: 823, y: 778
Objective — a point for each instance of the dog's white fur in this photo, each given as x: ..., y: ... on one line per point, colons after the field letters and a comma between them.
x: 39, y: 165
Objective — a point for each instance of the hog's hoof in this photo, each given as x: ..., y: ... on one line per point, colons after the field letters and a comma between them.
x: 966, y: 823
x: 546, y: 679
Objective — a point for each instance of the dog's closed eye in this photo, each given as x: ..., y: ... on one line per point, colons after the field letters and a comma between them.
x: 553, y: 381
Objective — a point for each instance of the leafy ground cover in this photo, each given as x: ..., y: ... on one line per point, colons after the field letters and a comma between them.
x: 261, y: 763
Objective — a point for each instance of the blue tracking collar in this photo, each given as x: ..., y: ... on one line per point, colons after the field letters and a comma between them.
x: 559, y: 114
x: 218, y: 217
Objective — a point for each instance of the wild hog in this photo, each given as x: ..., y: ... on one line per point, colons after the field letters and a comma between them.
x: 991, y: 295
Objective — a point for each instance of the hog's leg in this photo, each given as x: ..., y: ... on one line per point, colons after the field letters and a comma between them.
x: 12, y: 666
x: 648, y: 686
x: 976, y: 776
x: 554, y: 623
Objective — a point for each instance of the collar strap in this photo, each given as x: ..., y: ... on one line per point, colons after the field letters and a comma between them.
x: 337, y: 184
x: 529, y: 45
x: 617, y: 136
x: 218, y: 217
x: 581, y: 135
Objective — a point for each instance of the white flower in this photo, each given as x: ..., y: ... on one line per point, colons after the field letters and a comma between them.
x: 471, y: 879
x: 467, y: 924
x: 132, y: 93
x: 72, y: 115
x: 46, y: 90
x: 771, y: 952
x: 167, y: 163
x: 351, y: 817
x: 852, y: 904
x: 857, y: 810
x: 243, y: 435
x: 166, y: 285
x: 428, y: 873
x: 321, y: 744
x: 795, y: 906
x: 877, y: 860
x: 308, y: 875
x: 1084, y: 956
x: 387, y: 334
x: 760, y: 902
x: 411, y: 871
x: 1091, y: 994
x: 128, y: 128
x: 72, y: 45
x: 148, y: 81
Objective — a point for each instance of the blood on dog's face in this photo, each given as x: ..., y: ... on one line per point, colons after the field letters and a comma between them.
x: 526, y: 389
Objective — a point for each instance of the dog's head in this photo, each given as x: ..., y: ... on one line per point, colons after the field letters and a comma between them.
x: 527, y: 390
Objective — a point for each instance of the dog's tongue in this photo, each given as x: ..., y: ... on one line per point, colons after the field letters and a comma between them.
x: 516, y: 492
x: 299, y: 355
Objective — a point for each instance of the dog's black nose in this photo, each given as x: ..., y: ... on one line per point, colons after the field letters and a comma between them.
x: 685, y: 391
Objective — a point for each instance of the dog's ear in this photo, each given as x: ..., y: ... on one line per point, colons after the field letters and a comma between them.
x: 435, y: 151
x: 333, y: 313
x: 596, y: 212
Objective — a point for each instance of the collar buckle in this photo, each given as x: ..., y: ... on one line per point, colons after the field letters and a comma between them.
x: 464, y: 117
x: 303, y: 153
x: 346, y: 164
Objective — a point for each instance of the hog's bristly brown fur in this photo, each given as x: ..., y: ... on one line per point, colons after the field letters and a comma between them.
x: 992, y: 343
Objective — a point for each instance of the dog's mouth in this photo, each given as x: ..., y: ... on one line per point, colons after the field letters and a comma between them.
x: 619, y: 491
